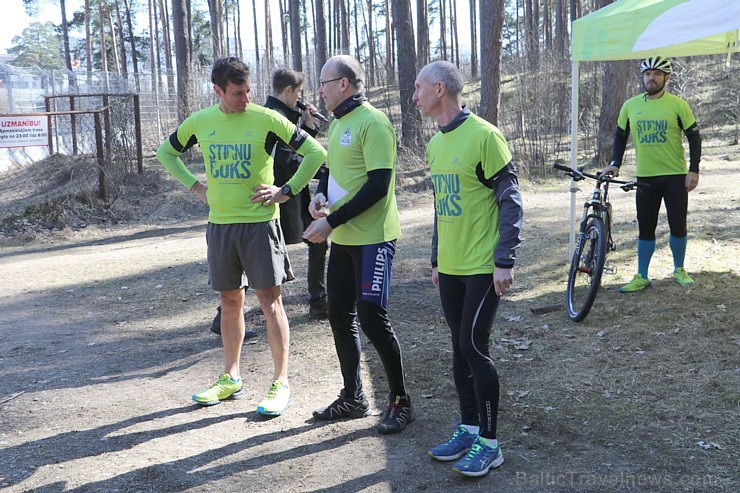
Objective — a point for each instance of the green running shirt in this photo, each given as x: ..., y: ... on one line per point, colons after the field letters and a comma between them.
x: 360, y: 141
x: 236, y: 160
x: 466, y: 210
x: 656, y: 134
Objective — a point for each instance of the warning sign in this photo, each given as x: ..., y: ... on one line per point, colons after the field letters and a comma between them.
x: 24, y: 131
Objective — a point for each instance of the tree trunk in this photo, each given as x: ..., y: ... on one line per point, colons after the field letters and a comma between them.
x: 491, y: 37
x: 114, y: 41
x: 320, y: 42
x: 519, y: 44
x: 356, y: 29
x: 442, y: 29
x: 152, y: 57
x: 88, y: 39
x: 344, y: 28
x: 454, y: 39
x: 575, y: 10
x: 284, y: 30
x: 238, y: 30
x: 132, y: 40
x: 103, y: 49
x: 167, y: 42
x: 269, y: 53
x: 122, y: 39
x: 561, y: 34
x: 473, y: 41
x: 217, y: 20
x: 371, y: 43
x: 330, y: 9
x: 613, y: 94
x: 320, y: 36
x: 404, y: 27
x: 305, y: 36
x: 226, y: 27
x: 183, y: 54
x: 295, y: 34
x: 157, y: 47
x: 65, y: 41
x: 422, y: 29
x: 531, y: 33
x: 547, y: 24
x: 390, y: 69
x: 256, y: 34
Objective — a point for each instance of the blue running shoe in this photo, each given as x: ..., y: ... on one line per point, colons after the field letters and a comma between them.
x: 457, y: 446
x: 479, y: 460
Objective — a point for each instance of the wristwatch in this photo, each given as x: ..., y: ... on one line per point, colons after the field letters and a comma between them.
x: 287, y: 191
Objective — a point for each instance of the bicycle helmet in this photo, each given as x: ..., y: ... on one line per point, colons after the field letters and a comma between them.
x: 656, y: 63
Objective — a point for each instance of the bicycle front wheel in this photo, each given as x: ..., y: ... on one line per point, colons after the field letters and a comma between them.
x: 586, y: 268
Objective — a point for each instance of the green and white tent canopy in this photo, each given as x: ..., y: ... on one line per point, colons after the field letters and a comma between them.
x: 630, y: 29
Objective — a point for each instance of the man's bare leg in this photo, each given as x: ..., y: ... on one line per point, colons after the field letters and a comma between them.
x: 278, y: 330
x: 232, y: 329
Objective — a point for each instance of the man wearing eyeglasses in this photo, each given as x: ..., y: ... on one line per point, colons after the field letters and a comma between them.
x: 356, y: 204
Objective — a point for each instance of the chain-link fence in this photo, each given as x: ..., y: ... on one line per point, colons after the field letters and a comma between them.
x: 102, y: 132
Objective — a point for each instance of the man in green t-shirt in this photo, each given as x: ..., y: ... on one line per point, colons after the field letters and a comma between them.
x: 656, y: 119
x: 477, y: 221
x: 287, y: 89
x: 363, y: 222
x: 243, y: 236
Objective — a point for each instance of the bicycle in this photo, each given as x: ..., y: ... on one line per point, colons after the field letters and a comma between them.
x: 593, y: 244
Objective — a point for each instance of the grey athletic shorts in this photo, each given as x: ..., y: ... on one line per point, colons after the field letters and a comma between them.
x: 255, y: 249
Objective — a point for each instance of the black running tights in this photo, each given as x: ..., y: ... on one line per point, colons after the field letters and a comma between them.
x: 469, y: 304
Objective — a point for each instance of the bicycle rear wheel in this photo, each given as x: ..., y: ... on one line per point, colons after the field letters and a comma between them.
x: 586, y: 268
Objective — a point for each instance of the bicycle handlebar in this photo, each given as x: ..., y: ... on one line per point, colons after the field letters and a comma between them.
x: 578, y: 174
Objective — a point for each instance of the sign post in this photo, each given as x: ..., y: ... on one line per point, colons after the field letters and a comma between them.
x: 24, y: 131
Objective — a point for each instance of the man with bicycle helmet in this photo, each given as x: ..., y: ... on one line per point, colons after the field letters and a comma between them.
x: 655, y: 119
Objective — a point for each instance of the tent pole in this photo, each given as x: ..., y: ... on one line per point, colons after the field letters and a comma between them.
x: 573, y: 153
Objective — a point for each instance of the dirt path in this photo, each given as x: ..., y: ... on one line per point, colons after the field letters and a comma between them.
x: 103, y: 338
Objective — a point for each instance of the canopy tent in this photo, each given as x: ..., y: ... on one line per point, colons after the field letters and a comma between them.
x: 629, y: 29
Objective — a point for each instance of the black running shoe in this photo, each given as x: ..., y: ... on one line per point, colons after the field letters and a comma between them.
x: 343, y: 408
x: 400, y: 413
x: 216, y: 324
x: 318, y: 309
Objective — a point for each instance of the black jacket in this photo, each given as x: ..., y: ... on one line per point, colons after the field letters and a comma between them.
x: 294, y: 216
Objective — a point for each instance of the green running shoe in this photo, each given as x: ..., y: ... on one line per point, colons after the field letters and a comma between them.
x: 224, y: 388
x: 682, y: 278
x: 277, y: 399
x: 638, y: 283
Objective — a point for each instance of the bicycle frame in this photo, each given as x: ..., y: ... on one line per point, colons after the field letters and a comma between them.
x: 598, y: 206
x: 593, y: 244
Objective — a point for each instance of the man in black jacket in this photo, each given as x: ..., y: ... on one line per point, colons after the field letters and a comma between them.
x: 287, y: 88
